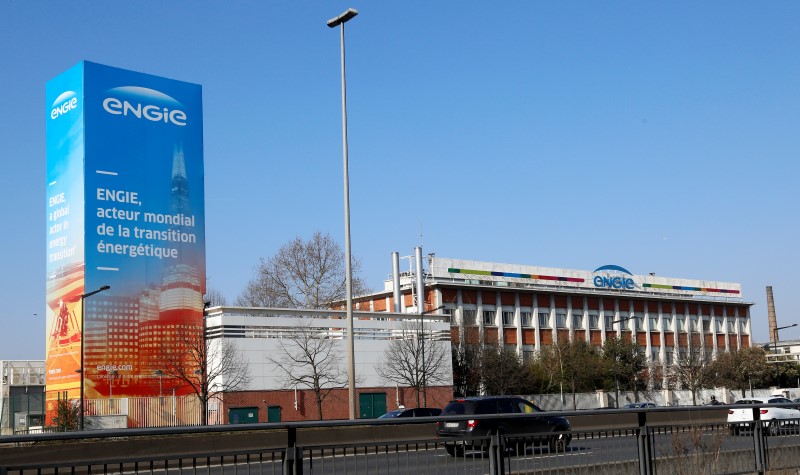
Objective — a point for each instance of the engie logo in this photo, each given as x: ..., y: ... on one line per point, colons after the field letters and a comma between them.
x: 63, y: 104
x: 144, y: 103
x: 615, y: 278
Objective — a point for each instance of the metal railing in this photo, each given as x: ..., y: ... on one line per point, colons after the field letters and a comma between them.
x: 637, y: 441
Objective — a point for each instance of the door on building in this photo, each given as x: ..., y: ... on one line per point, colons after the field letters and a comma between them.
x: 274, y: 414
x: 243, y: 415
x: 371, y: 405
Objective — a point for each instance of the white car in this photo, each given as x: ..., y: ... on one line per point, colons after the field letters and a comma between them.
x: 775, y: 418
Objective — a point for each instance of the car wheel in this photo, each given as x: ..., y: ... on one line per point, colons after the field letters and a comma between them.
x: 454, y: 450
x: 558, y: 443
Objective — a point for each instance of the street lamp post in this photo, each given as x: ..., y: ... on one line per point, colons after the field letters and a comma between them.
x: 111, y: 376
x: 351, y: 368
x: 422, y: 348
x: 82, y: 370
x: 775, y: 335
x: 616, y: 360
x: 160, y: 374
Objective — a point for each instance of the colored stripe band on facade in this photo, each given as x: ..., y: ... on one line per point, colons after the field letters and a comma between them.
x: 514, y: 275
x: 692, y: 289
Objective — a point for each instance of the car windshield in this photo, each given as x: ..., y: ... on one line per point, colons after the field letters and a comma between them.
x: 779, y: 400
x: 392, y: 414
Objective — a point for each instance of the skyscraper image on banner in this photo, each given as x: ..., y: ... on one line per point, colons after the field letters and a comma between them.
x: 125, y: 209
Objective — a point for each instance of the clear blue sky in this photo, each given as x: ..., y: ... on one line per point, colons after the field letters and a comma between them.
x: 660, y: 136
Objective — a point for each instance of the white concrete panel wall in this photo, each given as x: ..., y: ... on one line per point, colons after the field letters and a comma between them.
x: 263, y: 335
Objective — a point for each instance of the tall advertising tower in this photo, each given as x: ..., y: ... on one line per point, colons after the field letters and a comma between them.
x: 125, y: 209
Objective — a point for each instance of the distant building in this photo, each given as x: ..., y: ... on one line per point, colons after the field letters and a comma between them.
x: 258, y: 333
x: 526, y: 308
x: 21, y: 395
x: 782, y: 352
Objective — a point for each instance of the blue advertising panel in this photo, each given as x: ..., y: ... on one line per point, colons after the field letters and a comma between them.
x: 143, y: 227
x: 64, y: 228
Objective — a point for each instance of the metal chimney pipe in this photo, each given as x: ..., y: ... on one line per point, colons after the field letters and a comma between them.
x: 396, y: 281
x: 420, y: 280
x: 773, y: 321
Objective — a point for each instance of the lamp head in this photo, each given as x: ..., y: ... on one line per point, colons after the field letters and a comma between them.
x: 343, y: 18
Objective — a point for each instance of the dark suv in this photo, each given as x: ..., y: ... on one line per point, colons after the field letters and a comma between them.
x: 531, y: 429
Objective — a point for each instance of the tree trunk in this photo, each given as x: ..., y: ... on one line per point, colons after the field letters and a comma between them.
x: 574, y: 398
x: 318, y: 393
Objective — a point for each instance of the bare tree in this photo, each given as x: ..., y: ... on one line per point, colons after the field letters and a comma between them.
x: 403, y: 361
x: 302, y: 275
x: 309, y: 358
x: 214, y: 297
x: 207, y: 366
x: 692, y: 369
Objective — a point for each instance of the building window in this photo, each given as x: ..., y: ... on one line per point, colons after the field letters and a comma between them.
x: 742, y: 327
x: 706, y: 325
x: 653, y: 323
x: 470, y: 317
x: 654, y: 354
x: 609, y: 319
x: 544, y: 319
x: 527, y: 321
x: 669, y: 357
x: 594, y: 321
x: 508, y: 318
x: 528, y: 356
x: 488, y: 317
x: 719, y: 325
x: 637, y: 323
x: 692, y: 324
x: 666, y: 324
x: 561, y: 320
x: 577, y: 320
x: 731, y: 326
x: 681, y: 324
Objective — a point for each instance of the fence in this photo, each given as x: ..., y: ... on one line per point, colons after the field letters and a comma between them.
x: 167, y: 411
x: 661, y: 440
x: 667, y: 397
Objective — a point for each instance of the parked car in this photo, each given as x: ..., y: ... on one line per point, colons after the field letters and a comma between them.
x: 775, y: 418
x: 412, y: 412
x: 639, y: 405
x: 543, y: 429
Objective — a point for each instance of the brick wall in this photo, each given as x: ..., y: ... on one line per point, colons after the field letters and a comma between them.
x: 335, y: 405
